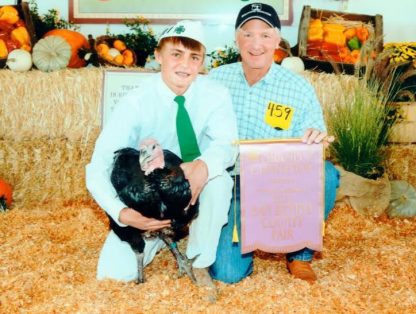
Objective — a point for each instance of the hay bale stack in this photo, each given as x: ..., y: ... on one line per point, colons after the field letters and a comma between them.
x: 402, y: 162
x: 42, y: 169
x: 61, y: 104
x: 330, y: 87
x: 50, y: 121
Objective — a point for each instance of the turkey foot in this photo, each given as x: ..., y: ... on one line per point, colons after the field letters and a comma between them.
x: 139, y: 257
x: 184, y: 264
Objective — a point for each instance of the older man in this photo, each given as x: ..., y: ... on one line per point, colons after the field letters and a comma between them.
x: 253, y: 83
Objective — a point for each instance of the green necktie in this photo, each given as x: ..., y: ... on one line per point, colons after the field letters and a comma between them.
x: 186, y: 135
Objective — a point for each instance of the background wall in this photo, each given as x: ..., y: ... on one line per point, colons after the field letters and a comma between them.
x: 398, y: 16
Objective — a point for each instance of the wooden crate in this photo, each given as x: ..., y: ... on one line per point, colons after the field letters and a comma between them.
x: 309, y: 13
x: 24, y: 14
x: 404, y: 131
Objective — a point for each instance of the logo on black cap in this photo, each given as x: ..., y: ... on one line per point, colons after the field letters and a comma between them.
x: 256, y: 7
x: 260, y: 11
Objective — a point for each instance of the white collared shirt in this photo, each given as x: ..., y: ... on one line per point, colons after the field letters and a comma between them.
x: 150, y: 111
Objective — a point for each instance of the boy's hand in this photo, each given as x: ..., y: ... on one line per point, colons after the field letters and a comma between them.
x: 197, y: 174
x: 130, y: 217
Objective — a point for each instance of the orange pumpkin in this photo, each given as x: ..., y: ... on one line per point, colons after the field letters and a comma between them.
x: 5, y: 193
x: 76, y: 40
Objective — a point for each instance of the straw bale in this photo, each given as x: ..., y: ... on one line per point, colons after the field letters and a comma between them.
x: 67, y: 103
x: 45, y: 169
x: 49, y: 256
x: 61, y: 104
x: 43, y: 153
x: 330, y: 87
x: 401, y: 163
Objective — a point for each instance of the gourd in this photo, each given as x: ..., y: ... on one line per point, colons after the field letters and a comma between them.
x: 290, y: 62
x: 9, y: 14
x: 315, y: 30
x: 402, y: 200
x: 5, y: 195
x: 3, y: 49
x: 21, y: 36
x: 76, y: 41
x: 19, y: 60
x: 294, y: 64
x: 334, y: 34
x: 51, y: 53
x: 114, y: 51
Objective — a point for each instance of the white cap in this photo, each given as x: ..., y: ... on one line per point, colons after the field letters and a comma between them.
x: 186, y: 28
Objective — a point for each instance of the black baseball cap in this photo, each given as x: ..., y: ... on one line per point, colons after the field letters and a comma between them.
x: 260, y: 11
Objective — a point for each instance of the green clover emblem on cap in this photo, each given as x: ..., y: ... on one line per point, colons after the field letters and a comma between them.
x: 180, y: 29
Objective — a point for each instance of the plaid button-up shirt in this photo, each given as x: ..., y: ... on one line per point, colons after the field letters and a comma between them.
x: 279, y: 86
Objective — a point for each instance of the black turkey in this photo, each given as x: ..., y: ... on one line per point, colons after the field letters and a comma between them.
x: 151, y: 181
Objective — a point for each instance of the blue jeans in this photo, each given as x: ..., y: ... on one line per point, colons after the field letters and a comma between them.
x: 231, y: 266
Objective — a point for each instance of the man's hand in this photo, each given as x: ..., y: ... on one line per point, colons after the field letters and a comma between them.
x: 130, y: 217
x: 197, y: 174
x: 316, y: 136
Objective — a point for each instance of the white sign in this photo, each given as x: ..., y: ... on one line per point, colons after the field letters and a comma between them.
x: 116, y: 84
x: 8, y: 2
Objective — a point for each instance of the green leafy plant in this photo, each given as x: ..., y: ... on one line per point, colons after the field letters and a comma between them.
x: 223, y: 56
x: 141, y: 38
x: 48, y: 21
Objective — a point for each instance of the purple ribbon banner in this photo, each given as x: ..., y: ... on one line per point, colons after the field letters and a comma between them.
x: 282, y: 195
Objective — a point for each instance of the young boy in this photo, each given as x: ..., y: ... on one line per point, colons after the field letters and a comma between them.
x: 151, y: 111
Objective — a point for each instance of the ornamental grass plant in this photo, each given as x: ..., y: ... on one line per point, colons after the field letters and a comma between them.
x: 363, y: 116
x: 361, y: 122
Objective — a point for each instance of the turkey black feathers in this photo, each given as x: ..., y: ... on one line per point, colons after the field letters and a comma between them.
x: 151, y: 182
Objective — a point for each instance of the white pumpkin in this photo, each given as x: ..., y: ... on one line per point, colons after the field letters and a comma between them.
x: 19, y: 60
x: 294, y: 64
x: 51, y: 53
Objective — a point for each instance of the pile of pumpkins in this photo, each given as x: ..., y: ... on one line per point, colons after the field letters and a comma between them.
x: 15, y: 43
x: 335, y: 41
x: 114, y: 51
x: 57, y: 49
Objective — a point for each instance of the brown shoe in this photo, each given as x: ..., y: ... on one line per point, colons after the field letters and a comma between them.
x: 301, y: 270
